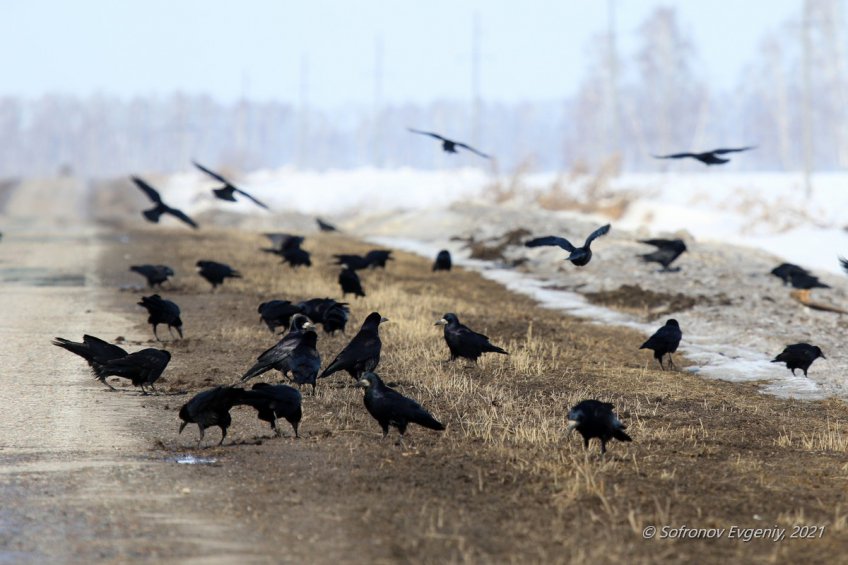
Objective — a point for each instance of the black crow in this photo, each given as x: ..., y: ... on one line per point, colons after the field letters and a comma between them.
x: 154, y: 213
x: 155, y: 274
x: 363, y: 352
x: 352, y: 262
x: 707, y: 157
x: 797, y: 277
x: 296, y: 257
x: 211, y: 408
x: 215, y: 273
x: 443, y: 261
x: 378, y: 257
x: 391, y: 408
x: 273, y: 402
x: 667, y: 251
x: 278, y: 313
x: 95, y: 351
x: 282, y: 241
x: 579, y: 255
x: 665, y: 340
x: 799, y: 356
x: 350, y: 283
x: 276, y: 357
x: 325, y: 226
x: 227, y: 191
x: 304, y: 361
x: 593, y: 418
x: 463, y: 342
x: 330, y: 314
x: 142, y: 367
x: 448, y: 145
x: 162, y: 311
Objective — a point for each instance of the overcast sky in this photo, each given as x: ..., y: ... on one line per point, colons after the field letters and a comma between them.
x: 530, y: 50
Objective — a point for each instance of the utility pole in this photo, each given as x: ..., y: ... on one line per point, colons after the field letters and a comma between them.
x: 807, y: 119
x: 476, y: 101
x: 303, y: 112
x: 377, y: 137
x: 241, y: 122
x: 612, y: 77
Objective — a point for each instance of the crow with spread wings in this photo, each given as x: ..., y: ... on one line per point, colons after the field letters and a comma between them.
x: 227, y: 191
x: 707, y: 157
x: 153, y: 214
x: 448, y: 145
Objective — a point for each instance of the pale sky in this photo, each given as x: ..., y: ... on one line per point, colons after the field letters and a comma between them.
x: 530, y: 50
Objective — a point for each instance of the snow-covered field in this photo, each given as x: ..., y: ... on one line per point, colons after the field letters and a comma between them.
x: 737, y: 227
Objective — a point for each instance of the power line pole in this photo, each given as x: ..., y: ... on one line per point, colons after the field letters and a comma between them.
x: 476, y: 99
x: 612, y: 86
x: 303, y: 112
x: 377, y: 137
x: 807, y: 119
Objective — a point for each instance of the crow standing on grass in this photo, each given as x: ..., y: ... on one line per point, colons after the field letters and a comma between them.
x: 350, y: 283
x: 363, y: 352
x: 211, y: 408
x: 305, y: 361
x: 228, y: 191
x: 277, y: 356
x: 390, y: 408
x: 707, y: 157
x: 799, y: 356
x: 155, y: 274
x: 162, y: 311
x: 95, y: 351
x: 443, y: 261
x: 141, y: 368
x: 215, y: 273
x: 378, y: 258
x: 448, y: 145
x: 156, y: 212
x: 273, y: 402
x: 580, y: 256
x: 592, y: 418
x: 463, y: 342
x: 665, y: 340
x: 668, y: 250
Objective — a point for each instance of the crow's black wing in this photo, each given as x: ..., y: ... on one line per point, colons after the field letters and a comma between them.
x: 151, y: 192
x: 243, y: 193
x: 212, y: 174
x: 551, y: 240
x: 732, y: 150
x: 180, y: 215
x: 596, y: 234
x: 675, y: 156
x: 430, y: 133
x: 480, y: 153
x: 844, y: 262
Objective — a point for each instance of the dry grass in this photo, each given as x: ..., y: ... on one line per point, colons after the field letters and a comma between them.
x: 503, y: 483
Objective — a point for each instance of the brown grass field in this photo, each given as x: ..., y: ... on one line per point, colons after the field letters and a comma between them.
x: 502, y: 483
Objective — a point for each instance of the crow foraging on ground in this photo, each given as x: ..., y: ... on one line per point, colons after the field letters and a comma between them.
x: 155, y: 274
x: 707, y: 157
x: 325, y: 226
x: 142, y: 367
x: 154, y: 213
x: 227, y: 192
x: 799, y: 356
x: 352, y: 262
x: 330, y: 314
x: 378, y: 257
x: 215, y: 273
x: 592, y: 418
x: 95, y: 351
x: 448, y: 145
x: 390, y: 408
x: 667, y: 251
x: 665, y: 340
x: 162, y: 311
x: 211, y: 408
x: 463, y: 342
x: 278, y: 313
x: 443, y: 261
x: 580, y: 256
x: 273, y: 402
x: 350, y: 283
x: 797, y: 277
x: 363, y: 352
x: 277, y: 356
x: 296, y: 257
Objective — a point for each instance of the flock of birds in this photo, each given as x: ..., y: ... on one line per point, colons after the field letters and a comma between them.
x: 296, y: 355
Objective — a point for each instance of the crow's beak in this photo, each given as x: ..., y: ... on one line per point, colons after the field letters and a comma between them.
x: 570, y: 429
x: 441, y: 322
x: 182, y: 427
x: 309, y: 326
x: 363, y: 383
x: 822, y: 356
x: 383, y: 320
